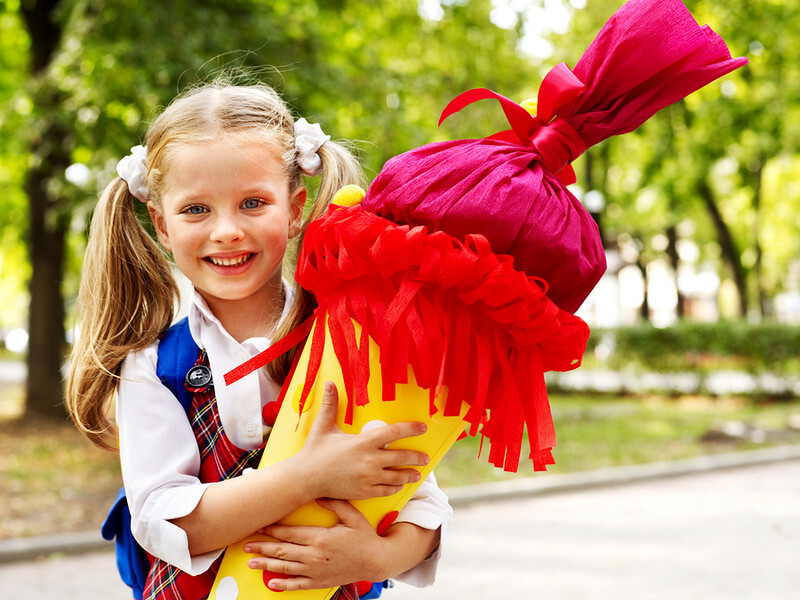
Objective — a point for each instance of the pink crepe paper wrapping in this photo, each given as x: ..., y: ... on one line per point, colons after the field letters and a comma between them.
x: 650, y: 54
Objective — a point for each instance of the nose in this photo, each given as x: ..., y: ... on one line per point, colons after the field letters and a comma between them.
x: 226, y: 229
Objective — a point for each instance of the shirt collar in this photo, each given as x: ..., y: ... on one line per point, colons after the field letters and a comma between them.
x: 200, y: 315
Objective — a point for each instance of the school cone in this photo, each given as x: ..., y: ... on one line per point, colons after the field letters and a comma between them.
x: 456, y: 342
x: 462, y: 266
x: 234, y: 579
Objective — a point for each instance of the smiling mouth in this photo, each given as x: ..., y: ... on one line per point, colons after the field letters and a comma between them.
x: 229, y: 262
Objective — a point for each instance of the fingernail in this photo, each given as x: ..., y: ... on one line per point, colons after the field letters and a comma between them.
x: 252, y: 564
x: 423, y: 427
x: 417, y: 476
x: 248, y: 550
x: 328, y: 387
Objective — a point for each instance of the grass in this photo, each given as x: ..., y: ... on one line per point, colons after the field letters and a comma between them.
x: 52, y: 481
x: 596, y: 431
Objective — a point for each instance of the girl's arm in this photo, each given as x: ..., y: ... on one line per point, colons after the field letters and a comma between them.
x: 330, y: 464
x: 160, y: 462
x: 320, y: 557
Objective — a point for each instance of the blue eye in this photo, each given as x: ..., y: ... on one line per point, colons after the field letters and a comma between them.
x: 251, y: 203
x: 195, y: 209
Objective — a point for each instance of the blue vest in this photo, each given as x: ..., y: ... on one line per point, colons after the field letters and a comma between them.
x: 177, y: 353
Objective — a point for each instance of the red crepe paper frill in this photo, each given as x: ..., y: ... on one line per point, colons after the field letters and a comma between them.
x: 460, y: 315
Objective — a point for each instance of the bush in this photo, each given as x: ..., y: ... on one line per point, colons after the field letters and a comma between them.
x: 693, y: 346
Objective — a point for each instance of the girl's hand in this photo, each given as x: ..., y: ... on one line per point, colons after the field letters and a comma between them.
x: 304, y: 557
x: 336, y: 464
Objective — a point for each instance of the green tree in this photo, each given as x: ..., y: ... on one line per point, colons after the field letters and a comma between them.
x: 98, y: 69
x: 703, y: 160
x: 764, y: 122
x: 15, y: 104
x: 48, y: 224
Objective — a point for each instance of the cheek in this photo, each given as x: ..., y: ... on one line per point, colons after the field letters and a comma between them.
x: 277, y: 231
x: 183, y: 241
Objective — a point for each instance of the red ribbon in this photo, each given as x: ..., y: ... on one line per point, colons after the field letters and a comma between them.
x: 559, y: 87
x: 290, y: 340
x: 555, y: 140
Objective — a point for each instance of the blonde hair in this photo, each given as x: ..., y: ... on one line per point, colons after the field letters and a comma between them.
x: 127, y: 293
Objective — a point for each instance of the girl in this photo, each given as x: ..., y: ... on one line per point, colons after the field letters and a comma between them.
x: 221, y: 177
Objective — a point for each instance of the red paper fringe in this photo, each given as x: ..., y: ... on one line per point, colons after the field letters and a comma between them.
x: 459, y: 314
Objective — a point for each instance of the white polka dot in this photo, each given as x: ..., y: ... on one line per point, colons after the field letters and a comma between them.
x: 227, y: 589
x: 373, y: 425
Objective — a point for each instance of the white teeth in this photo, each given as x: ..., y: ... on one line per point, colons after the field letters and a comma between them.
x: 229, y: 262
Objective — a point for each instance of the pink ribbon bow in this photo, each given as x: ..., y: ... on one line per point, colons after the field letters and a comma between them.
x: 553, y: 138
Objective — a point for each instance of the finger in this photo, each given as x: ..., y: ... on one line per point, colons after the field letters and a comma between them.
x: 347, y: 514
x: 399, y: 477
x: 404, y: 458
x: 289, y: 584
x: 293, y: 534
x: 396, y: 431
x: 276, y: 550
x: 326, y: 417
x: 381, y: 491
x: 279, y: 567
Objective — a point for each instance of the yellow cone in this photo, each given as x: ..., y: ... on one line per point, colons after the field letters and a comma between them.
x: 235, y: 581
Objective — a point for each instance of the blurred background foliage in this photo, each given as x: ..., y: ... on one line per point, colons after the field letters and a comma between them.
x: 724, y: 345
x: 81, y: 79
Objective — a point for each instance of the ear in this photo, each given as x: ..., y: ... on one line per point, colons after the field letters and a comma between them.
x: 297, y: 204
x: 160, y: 225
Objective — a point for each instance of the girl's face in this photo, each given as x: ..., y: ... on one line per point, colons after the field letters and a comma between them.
x: 227, y: 215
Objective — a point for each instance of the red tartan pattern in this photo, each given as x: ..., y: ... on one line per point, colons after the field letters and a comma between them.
x: 347, y: 592
x: 220, y: 459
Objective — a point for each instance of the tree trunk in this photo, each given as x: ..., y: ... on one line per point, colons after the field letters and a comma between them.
x: 730, y: 253
x: 644, y: 309
x: 48, y: 225
x: 763, y: 300
x: 46, y: 315
x: 672, y: 253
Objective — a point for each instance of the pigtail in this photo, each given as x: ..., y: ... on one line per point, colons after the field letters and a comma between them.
x: 339, y: 168
x: 126, y: 300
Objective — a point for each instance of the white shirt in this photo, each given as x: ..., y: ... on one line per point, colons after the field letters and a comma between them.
x: 161, y: 461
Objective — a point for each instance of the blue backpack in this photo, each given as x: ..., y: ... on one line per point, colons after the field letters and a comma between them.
x: 177, y: 354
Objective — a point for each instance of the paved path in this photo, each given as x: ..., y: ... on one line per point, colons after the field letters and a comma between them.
x: 729, y: 535
x: 724, y: 535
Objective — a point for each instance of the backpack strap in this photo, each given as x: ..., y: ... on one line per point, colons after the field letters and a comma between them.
x: 132, y: 562
x: 177, y: 353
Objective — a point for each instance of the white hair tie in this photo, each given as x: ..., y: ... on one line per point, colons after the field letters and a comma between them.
x: 133, y: 171
x: 308, y: 139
